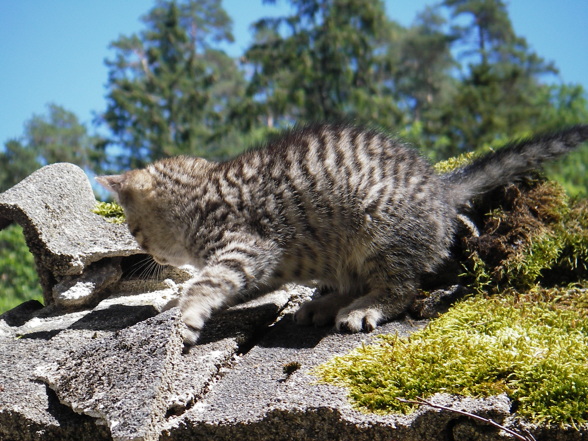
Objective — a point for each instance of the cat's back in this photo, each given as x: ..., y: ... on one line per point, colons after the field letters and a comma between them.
x: 345, y: 164
x: 330, y: 168
x: 332, y: 182
x: 332, y: 189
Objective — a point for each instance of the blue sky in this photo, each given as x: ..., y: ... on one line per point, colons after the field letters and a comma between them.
x: 54, y: 51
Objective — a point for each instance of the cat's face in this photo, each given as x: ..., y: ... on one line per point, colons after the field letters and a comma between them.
x: 148, y: 216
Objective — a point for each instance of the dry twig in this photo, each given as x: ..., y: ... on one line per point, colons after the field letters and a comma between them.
x: 421, y: 402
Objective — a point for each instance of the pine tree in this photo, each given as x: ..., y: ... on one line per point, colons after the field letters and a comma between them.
x: 501, y: 94
x: 168, y: 87
x: 321, y: 63
x: 57, y: 136
x: 422, y: 73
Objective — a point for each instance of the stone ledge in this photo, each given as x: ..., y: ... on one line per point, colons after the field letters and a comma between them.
x: 54, y: 207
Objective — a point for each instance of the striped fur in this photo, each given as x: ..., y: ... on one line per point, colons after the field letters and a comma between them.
x: 351, y: 208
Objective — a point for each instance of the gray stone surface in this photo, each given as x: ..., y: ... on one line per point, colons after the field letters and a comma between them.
x: 29, y: 410
x: 54, y: 207
x: 258, y: 400
x: 119, y: 371
x: 105, y: 359
x: 74, y: 292
x: 121, y: 380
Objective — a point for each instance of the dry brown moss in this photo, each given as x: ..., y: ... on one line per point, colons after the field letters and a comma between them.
x: 530, y: 233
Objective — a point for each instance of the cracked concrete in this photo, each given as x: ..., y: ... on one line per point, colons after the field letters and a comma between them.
x: 104, y: 359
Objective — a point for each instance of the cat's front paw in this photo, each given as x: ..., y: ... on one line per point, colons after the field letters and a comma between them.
x: 194, y: 316
x: 358, y: 319
x: 190, y: 336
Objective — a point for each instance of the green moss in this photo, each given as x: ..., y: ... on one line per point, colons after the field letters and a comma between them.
x: 542, y: 253
x: 533, y: 348
x: 112, y: 211
x: 529, y: 233
x: 453, y: 163
x: 574, y: 235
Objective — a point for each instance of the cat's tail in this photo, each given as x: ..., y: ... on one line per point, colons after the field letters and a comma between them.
x: 511, y: 162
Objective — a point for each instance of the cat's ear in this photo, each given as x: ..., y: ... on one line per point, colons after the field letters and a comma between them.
x: 113, y: 183
x: 128, y: 184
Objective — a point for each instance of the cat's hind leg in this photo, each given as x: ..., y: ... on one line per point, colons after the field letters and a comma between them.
x: 391, y: 278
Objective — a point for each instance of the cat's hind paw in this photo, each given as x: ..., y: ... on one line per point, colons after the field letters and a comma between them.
x: 358, y: 319
x: 314, y: 313
x: 322, y: 310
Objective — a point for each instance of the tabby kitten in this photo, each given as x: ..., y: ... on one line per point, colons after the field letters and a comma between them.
x: 351, y: 208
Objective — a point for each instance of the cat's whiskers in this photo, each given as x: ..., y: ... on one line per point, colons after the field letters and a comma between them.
x: 146, y: 269
x: 150, y: 270
x: 137, y: 267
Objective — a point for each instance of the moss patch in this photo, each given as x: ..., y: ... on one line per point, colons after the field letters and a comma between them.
x: 531, y: 233
x: 532, y: 347
x: 112, y: 211
x: 453, y: 163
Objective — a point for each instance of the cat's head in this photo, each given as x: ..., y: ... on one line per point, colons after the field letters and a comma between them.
x: 148, y: 212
